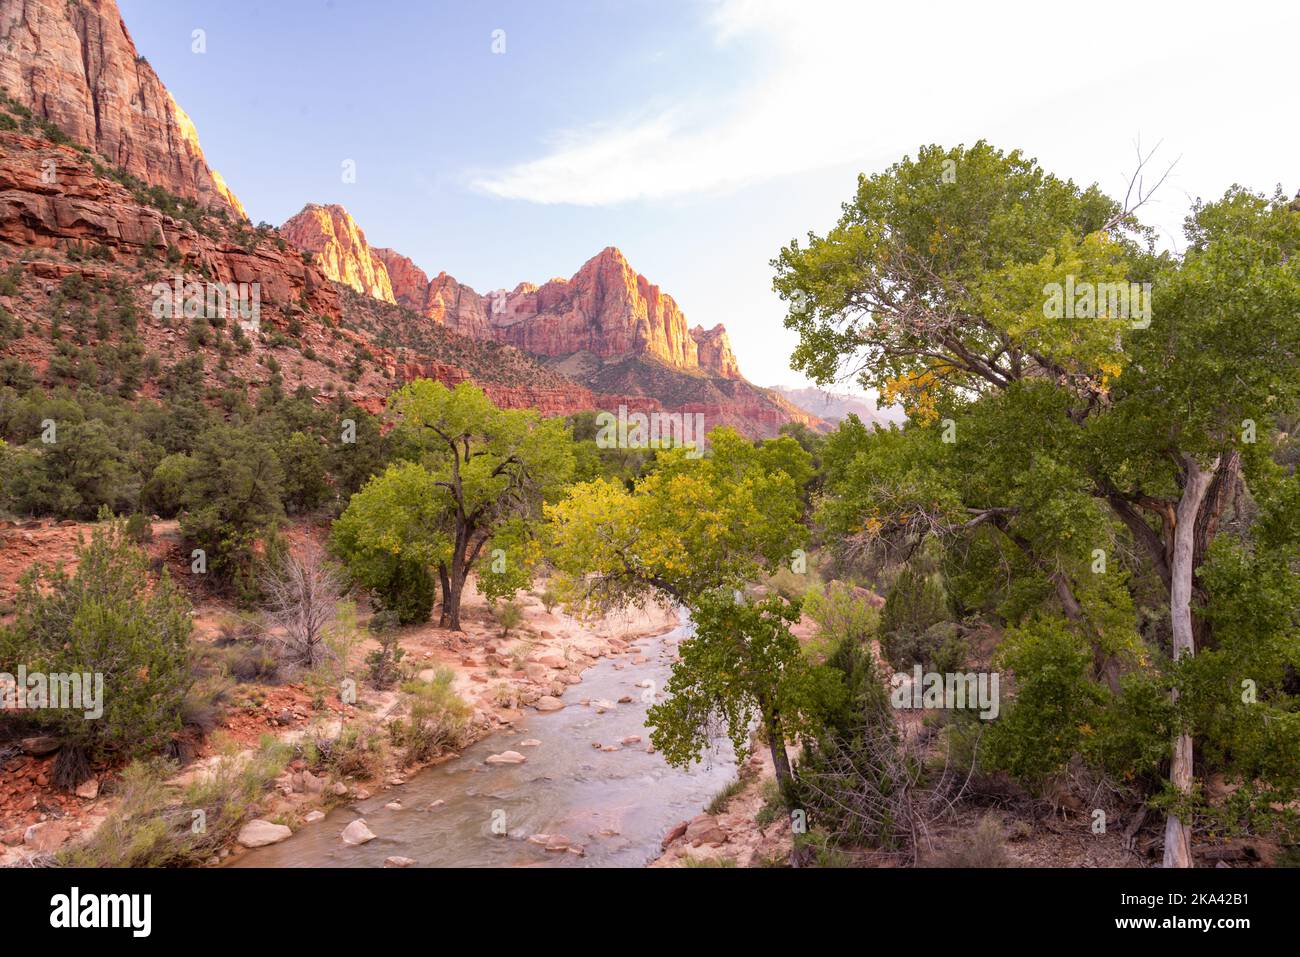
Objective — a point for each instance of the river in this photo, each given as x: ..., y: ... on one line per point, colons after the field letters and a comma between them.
x: 616, y: 805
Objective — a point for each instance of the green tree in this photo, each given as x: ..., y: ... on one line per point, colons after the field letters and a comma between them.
x: 492, y: 470
x: 233, y: 501
x: 690, y: 526
x: 390, y: 537
x: 742, y: 665
x: 699, y: 531
x: 1065, y: 428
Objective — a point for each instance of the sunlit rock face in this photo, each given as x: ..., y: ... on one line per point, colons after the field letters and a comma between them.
x: 607, y: 309
x: 715, y: 352
x: 339, y: 249
x: 75, y: 65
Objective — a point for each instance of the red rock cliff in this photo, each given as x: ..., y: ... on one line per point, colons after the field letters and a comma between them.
x: 409, y: 282
x: 607, y: 309
x: 75, y: 65
x: 715, y: 352
x: 339, y: 249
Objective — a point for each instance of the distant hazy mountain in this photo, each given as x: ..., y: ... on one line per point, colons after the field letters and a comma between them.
x: 834, y: 406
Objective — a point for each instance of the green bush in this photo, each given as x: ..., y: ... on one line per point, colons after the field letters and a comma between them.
x: 166, y: 491
x: 139, y: 529
x: 106, y: 619
x: 841, y: 614
x: 940, y: 648
x: 1055, y: 703
x: 915, y: 603
x: 508, y: 615
x: 384, y: 663
x: 358, y: 752
x: 438, y: 718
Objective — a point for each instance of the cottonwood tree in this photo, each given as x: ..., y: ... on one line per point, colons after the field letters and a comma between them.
x: 743, y: 665
x: 700, y: 532
x: 946, y: 295
x: 479, y: 474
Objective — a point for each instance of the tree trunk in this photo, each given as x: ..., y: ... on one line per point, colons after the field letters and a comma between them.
x: 451, y: 603
x: 445, y: 582
x: 780, y: 760
x: 800, y: 854
x: 1178, y: 842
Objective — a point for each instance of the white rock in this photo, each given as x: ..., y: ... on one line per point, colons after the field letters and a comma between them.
x: 357, y: 832
x: 530, y: 743
x: 549, y: 703
x: 311, y: 817
x: 507, y: 757
x: 398, y: 861
x: 260, y: 833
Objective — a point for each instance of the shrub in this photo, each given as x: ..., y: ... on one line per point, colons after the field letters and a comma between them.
x: 438, y: 719
x: 1055, y: 701
x: 384, y: 662
x: 549, y: 597
x: 358, y: 752
x: 302, y: 591
x: 508, y: 615
x: 982, y: 847
x: 252, y: 661
x: 841, y: 614
x: 150, y: 828
x: 940, y: 648
x: 139, y: 528
x: 166, y: 490
x: 234, y: 494
x: 916, y: 602
x: 107, y: 620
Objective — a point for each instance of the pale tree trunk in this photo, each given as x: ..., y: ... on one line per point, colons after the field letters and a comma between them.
x: 1178, y: 838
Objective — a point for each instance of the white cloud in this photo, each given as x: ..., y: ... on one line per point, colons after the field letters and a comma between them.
x: 833, y: 82
x: 830, y: 82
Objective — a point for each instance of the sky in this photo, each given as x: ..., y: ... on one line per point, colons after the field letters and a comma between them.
x: 511, y: 140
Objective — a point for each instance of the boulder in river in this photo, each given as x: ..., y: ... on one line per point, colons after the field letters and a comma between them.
x: 357, y: 832
x: 549, y: 702
x: 506, y: 757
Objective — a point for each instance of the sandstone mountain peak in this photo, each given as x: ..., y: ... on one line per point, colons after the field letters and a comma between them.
x: 339, y: 248
x: 76, y: 65
x: 606, y: 310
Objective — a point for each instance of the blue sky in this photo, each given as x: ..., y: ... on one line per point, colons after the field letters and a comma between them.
x: 699, y: 136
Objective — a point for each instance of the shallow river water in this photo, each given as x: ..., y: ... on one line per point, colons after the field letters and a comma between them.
x: 617, y: 805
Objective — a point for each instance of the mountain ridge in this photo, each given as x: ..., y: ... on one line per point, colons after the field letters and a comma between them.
x: 75, y: 65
